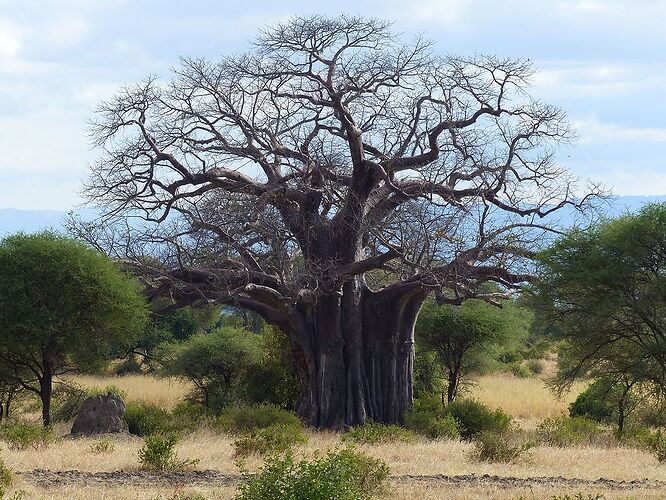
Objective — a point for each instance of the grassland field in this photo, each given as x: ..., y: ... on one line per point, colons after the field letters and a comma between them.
x: 528, y: 400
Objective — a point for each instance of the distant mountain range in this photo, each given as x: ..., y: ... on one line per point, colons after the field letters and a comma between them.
x: 29, y: 221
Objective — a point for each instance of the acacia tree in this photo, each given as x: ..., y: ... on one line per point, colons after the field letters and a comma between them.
x: 466, y: 338
x: 604, y: 290
x: 329, y: 180
x: 63, y: 306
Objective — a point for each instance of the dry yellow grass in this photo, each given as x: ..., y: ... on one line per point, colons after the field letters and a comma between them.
x: 522, y: 398
x: 215, y: 451
x: 164, y: 392
x: 526, y: 399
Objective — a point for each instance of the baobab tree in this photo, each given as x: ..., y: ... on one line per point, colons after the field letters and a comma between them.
x: 330, y: 180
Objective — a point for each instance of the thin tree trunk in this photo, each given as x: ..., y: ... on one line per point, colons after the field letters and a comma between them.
x: 453, y: 382
x: 45, y: 393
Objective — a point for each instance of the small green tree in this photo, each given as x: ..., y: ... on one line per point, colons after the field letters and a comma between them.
x: 213, y: 363
x: 470, y: 337
x: 63, y: 307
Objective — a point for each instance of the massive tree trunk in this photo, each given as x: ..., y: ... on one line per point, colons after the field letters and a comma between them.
x: 356, y: 356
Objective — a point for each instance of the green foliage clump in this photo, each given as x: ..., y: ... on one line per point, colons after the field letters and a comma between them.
x: 468, y: 339
x: 520, y: 370
x: 6, y: 478
x: 657, y: 445
x: 239, y: 419
x: 342, y: 474
x: 493, y: 446
x: 374, y: 433
x: 63, y: 307
x: 569, y: 431
x: 159, y: 453
x: 427, y: 417
x: 474, y: 417
x: 21, y: 436
x: 144, y: 419
x: 128, y: 366
x: 215, y: 363
x: 272, y: 439
x: 599, y: 401
x: 102, y: 446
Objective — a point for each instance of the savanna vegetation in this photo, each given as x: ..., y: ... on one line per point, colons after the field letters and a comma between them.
x: 376, y: 302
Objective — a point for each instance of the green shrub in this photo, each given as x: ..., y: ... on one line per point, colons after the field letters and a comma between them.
x: 6, y: 478
x: 342, y: 475
x: 144, y: 419
x: 520, y: 370
x: 637, y: 436
x: 535, y: 366
x: 474, y: 417
x: 568, y: 431
x: 599, y: 401
x: 239, y: 419
x: 374, y: 433
x: 19, y: 436
x: 499, y: 446
x: 273, y: 439
x: 657, y: 445
x: 159, y: 453
x: 128, y: 366
x: 427, y: 417
x: 103, y: 446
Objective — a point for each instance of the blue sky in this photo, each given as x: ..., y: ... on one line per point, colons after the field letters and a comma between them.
x: 603, y: 61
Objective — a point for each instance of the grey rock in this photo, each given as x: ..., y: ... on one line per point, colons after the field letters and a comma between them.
x: 100, y: 415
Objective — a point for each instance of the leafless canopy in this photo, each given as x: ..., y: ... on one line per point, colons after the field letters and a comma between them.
x: 331, y: 151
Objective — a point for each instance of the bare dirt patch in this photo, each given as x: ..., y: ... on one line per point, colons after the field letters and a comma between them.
x: 47, y: 478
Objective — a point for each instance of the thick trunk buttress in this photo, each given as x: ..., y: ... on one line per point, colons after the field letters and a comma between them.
x: 358, y: 357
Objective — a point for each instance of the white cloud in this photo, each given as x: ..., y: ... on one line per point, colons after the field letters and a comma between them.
x: 65, y: 32
x: 593, y: 131
x: 587, y: 6
x: 448, y: 12
x: 94, y: 93
x: 10, y: 39
x: 596, y: 79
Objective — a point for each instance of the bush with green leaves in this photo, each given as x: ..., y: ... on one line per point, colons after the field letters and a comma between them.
x: 375, y: 433
x: 570, y: 431
x: 6, y: 478
x: 239, y: 419
x: 491, y: 446
x: 474, y: 417
x: 128, y: 366
x: 144, y: 419
x: 214, y: 364
x: 273, y: 439
x: 600, y: 401
x: 520, y: 370
x: 427, y: 417
x: 341, y: 474
x: 22, y: 436
x: 159, y: 453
